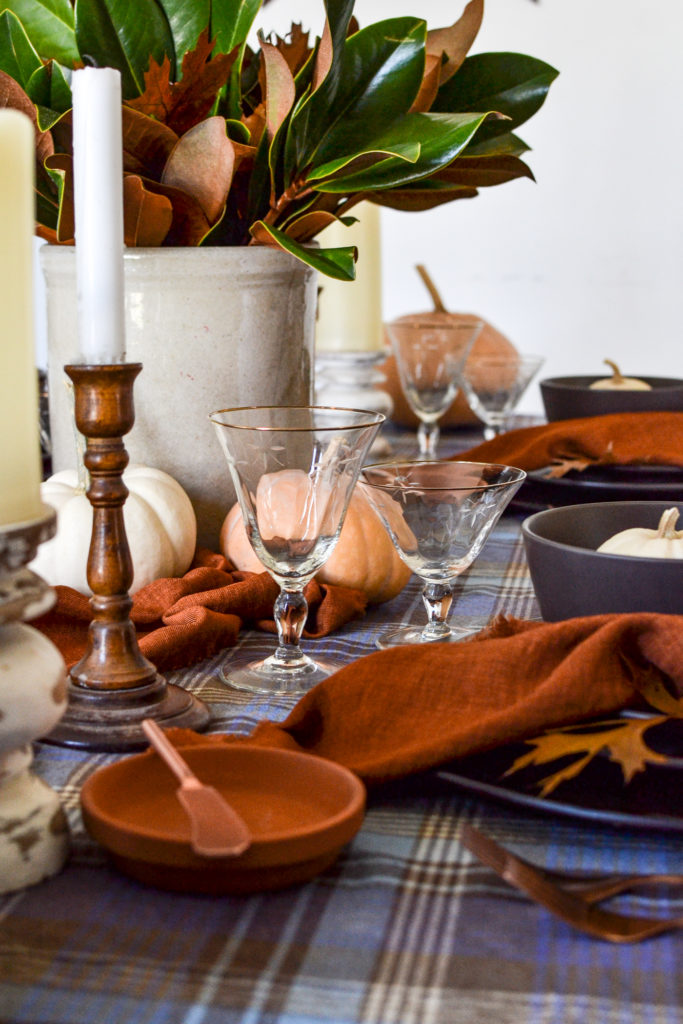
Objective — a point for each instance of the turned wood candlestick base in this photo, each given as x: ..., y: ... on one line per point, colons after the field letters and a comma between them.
x: 113, y: 687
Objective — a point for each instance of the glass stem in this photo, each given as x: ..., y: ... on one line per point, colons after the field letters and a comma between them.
x: 290, y: 611
x: 428, y: 438
x: 437, y: 599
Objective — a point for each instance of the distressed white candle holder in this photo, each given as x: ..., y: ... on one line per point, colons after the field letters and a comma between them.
x: 34, y: 839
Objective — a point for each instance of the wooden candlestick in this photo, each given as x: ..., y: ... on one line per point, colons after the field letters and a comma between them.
x: 113, y: 687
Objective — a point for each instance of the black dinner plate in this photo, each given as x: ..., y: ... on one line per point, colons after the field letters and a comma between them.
x: 653, y: 799
x: 599, y: 483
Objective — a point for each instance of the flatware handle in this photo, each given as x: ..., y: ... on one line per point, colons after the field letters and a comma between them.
x: 166, y: 750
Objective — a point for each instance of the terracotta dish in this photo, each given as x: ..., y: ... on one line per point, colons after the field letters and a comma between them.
x: 565, y: 398
x: 300, y: 809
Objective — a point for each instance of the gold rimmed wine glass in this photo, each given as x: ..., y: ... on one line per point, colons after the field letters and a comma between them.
x: 293, y: 470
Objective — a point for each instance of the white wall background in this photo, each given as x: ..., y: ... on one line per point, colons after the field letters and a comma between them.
x: 587, y: 262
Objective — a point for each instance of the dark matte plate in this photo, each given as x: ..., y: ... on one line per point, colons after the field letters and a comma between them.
x: 599, y: 483
x: 652, y: 800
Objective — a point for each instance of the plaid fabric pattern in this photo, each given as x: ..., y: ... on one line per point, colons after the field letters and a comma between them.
x: 406, y: 928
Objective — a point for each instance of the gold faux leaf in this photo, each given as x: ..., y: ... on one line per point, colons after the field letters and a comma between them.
x: 622, y: 738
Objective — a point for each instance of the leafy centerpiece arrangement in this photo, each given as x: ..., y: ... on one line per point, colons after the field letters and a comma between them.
x: 229, y: 144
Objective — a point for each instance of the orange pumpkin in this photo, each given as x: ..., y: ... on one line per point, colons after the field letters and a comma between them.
x: 490, y: 342
x: 363, y: 557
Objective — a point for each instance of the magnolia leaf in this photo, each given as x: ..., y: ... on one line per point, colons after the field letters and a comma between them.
x: 280, y: 91
x: 374, y: 81
x: 441, y: 136
x: 189, y: 225
x: 49, y: 25
x: 47, y: 199
x: 338, y: 263
x: 124, y: 35
x: 147, y: 216
x: 409, y: 151
x: 202, y: 165
x: 181, y: 105
x: 425, y: 195
x: 429, y: 86
x: 187, y: 21
x: 306, y: 227
x: 51, y: 92
x: 18, y: 58
x: 62, y: 163
x: 231, y: 22
x: 337, y: 22
x: 455, y: 41
x: 511, y: 83
x: 623, y: 739
x: 507, y: 144
x: 482, y: 172
x: 147, y: 143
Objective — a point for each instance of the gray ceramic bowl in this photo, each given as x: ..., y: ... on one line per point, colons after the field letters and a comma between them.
x: 565, y: 398
x: 571, y: 578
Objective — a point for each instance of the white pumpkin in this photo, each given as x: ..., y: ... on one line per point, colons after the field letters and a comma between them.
x: 617, y: 382
x: 161, y: 528
x: 664, y: 542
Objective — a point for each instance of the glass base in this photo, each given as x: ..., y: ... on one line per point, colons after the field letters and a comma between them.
x: 258, y: 676
x: 419, y: 635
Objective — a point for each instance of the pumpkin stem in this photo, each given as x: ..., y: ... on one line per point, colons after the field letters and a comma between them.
x: 431, y: 288
x: 667, y: 524
x: 616, y: 372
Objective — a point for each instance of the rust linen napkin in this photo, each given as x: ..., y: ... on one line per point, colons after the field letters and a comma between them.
x: 180, y: 621
x: 411, y: 708
x: 617, y: 439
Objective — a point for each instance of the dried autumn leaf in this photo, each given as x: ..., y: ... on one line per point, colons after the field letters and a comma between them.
x: 147, y: 216
x: 294, y: 48
x: 147, y: 143
x: 456, y: 40
x: 623, y: 739
x: 182, y: 104
x: 280, y: 91
x: 189, y: 225
x: 202, y: 165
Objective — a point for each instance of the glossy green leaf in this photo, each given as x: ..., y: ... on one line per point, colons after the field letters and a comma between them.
x: 409, y: 151
x: 380, y: 72
x: 186, y: 21
x: 49, y: 25
x: 338, y: 263
x: 231, y: 21
x: 17, y: 56
x: 51, y: 93
x: 123, y: 34
x: 441, y: 136
x: 512, y: 83
x: 423, y: 196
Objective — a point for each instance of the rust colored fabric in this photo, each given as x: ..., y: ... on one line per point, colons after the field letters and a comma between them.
x: 617, y: 439
x: 182, y: 620
x: 408, y: 709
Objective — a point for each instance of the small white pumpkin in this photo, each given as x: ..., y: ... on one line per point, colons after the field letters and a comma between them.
x: 161, y: 528
x: 664, y: 542
x: 617, y: 382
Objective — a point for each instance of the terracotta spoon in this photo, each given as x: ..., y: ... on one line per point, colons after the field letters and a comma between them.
x: 217, y: 830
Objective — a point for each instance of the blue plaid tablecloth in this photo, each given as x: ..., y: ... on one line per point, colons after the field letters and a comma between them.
x: 406, y: 928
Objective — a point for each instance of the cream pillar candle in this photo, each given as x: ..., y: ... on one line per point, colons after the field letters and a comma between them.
x: 98, y: 209
x: 20, y: 469
x: 350, y: 313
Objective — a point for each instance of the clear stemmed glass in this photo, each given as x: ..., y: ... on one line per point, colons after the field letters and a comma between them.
x: 429, y: 356
x: 293, y: 470
x: 493, y: 385
x: 438, y: 514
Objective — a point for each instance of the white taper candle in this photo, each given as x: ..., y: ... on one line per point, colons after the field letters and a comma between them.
x: 98, y: 202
